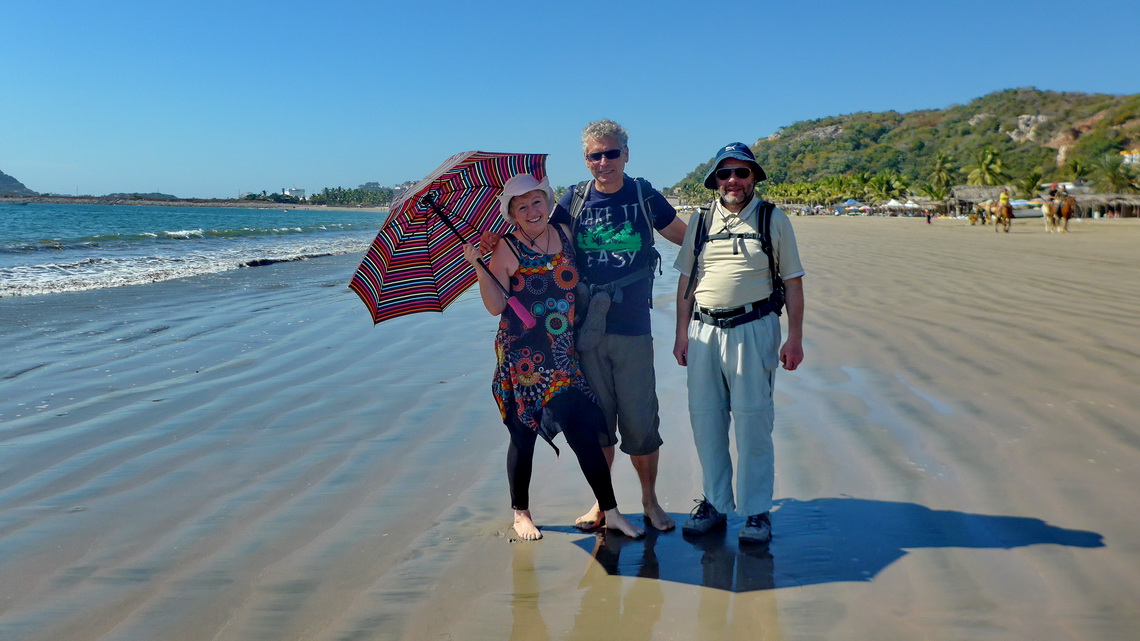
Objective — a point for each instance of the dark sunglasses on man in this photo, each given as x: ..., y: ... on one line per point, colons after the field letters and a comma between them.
x: 610, y: 154
x: 741, y: 172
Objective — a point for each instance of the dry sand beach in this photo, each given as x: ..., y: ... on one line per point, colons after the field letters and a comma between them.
x: 243, y: 456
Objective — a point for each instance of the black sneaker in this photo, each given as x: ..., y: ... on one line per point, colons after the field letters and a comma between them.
x: 703, y: 519
x: 758, y: 529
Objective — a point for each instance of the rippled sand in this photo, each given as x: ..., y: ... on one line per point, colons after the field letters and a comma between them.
x: 243, y: 456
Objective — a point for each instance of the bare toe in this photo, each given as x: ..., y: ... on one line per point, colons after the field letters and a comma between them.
x: 525, y: 527
x: 591, y: 520
x: 659, y: 519
x: 615, y: 521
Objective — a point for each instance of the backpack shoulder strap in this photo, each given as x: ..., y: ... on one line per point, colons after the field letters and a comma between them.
x: 646, y: 210
x: 766, y: 209
x: 701, y: 235
x: 577, y: 203
x: 578, y: 199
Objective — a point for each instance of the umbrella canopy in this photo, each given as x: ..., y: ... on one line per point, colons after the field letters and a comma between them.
x: 416, y: 262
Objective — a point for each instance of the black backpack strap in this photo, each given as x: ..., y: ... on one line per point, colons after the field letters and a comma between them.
x: 578, y: 195
x: 578, y: 199
x: 702, y: 235
x: 766, y: 209
x: 646, y: 210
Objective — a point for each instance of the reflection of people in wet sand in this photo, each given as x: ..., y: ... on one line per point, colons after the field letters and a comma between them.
x: 526, y: 618
x: 538, y: 384
x: 743, y: 605
x: 723, y: 612
x: 630, y: 610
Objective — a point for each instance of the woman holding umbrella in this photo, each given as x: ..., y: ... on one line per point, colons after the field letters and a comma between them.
x: 538, y: 383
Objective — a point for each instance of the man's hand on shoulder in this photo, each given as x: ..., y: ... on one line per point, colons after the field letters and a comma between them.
x: 488, y: 240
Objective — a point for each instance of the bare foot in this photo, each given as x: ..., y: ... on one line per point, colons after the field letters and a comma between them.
x: 657, y: 517
x: 525, y: 527
x: 591, y: 520
x: 615, y: 521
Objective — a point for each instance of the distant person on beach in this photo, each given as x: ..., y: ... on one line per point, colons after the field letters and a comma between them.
x: 612, y: 218
x: 739, y: 266
x: 538, y: 383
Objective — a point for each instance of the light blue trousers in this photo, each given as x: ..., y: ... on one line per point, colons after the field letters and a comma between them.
x: 731, y: 372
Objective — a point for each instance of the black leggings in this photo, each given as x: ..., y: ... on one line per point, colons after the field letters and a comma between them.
x: 581, y: 421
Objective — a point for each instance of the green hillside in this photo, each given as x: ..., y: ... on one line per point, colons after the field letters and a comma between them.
x: 1055, y: 134
x: 11, y: 186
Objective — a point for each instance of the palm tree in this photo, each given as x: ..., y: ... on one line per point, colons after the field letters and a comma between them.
x: 860, y: 186
x: 987, y: 170
x: 934, y: 191
x: 693, y: 192
x: 1029, y: 185
x: 887, y: 185
x: 880, y: 187
x: 1077, y: 169
x: 942, y: 174
x: 1110, y: 174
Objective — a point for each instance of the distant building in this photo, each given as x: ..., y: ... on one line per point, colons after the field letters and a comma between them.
x: 299, y: 194
x: 1131, y: 157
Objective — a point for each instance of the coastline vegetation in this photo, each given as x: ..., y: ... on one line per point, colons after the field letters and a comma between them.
x: 1017, y: 137
x: 370, y: 194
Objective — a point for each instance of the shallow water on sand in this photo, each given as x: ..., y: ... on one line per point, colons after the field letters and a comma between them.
x: 243, y: 455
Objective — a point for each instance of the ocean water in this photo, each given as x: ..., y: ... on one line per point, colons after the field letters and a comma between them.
x: 49, y: 249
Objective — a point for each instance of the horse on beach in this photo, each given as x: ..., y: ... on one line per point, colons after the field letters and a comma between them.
x: 1049, y: 214
x: 1066, y: 209
x: 1002, y: 216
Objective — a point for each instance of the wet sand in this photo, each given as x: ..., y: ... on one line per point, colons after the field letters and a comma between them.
x: 243, y: 456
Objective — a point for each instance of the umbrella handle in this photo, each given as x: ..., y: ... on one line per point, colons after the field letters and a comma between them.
x: 520, y: 310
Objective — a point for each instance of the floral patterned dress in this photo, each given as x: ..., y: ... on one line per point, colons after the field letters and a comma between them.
x: 537, y: 364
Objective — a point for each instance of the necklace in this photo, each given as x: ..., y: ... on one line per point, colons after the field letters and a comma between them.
x: 534, y: 241
x: 545, y: 245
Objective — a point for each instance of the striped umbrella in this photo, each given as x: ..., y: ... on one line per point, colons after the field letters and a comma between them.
x: 416, y: 263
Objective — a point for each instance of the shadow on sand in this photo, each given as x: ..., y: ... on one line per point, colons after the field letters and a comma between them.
x: 818, y: 541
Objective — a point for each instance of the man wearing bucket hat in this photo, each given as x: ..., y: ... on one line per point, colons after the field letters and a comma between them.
x: 739, y: 267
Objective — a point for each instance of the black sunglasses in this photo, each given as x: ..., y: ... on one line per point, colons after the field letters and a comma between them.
x: 610, y: 154
x: 741, y: 172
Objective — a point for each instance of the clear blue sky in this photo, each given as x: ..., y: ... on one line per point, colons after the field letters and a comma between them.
x: 213, y: 98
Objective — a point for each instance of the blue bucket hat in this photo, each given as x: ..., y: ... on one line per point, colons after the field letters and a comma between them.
x: 739, y: 151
